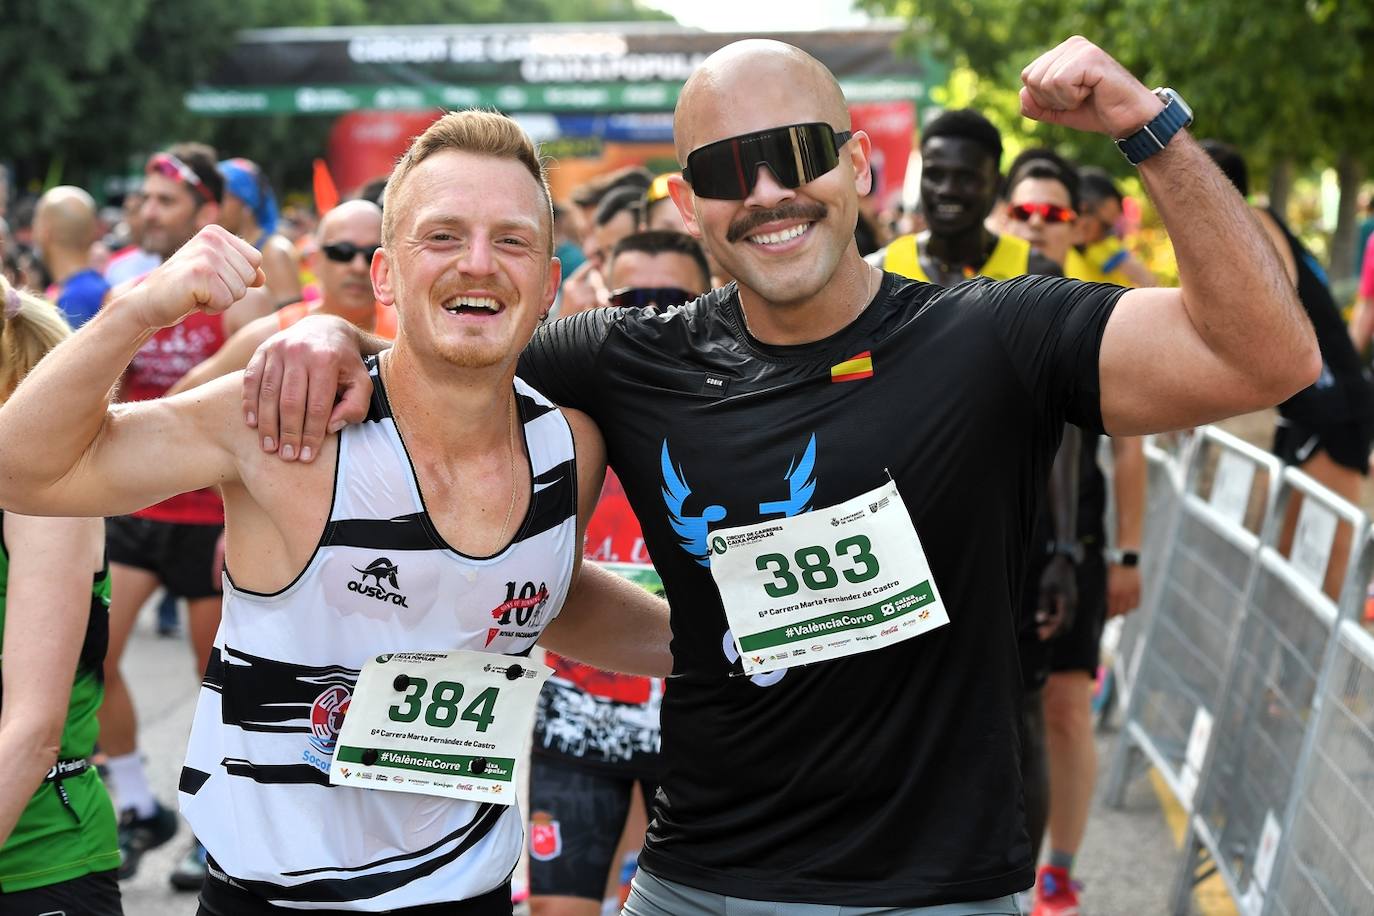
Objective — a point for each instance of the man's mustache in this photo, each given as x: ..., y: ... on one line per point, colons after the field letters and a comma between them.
x: 811, y: 212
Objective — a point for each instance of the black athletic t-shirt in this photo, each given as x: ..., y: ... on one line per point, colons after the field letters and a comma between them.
x: 1343, y: 392
x: 889, y: 778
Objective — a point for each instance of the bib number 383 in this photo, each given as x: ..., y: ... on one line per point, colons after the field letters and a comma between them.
x: 451, y: 724
x: 834, y: 582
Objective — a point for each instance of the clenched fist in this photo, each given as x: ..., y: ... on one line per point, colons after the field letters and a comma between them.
x: 1079, y: 85
x: 210, y: 272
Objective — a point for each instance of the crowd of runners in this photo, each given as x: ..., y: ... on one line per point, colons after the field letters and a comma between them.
x: 855, y: 450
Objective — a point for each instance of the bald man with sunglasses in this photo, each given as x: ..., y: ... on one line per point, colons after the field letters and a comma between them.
x: 837, y: 469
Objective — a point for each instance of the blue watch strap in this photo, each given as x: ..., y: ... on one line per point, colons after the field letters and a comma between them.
x: 1154, y: 136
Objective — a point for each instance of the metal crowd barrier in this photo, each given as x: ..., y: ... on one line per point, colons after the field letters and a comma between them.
x: 1324, y: 861
x: 1247, y: 685
x: 1195, y: 614
x: 1261, y: 720
x: 1165, y: 465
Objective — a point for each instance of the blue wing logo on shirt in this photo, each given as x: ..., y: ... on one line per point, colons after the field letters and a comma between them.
x: 694, y: 529
x: 691, y: 529
x: 801, y: 483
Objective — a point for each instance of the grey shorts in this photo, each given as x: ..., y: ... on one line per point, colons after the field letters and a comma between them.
x: 650, y: 896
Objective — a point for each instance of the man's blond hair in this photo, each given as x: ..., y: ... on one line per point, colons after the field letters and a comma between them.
x: 484, y: 133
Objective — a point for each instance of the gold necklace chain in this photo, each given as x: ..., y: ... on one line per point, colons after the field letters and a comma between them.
x: 384, y: 369
x: 510, y: 446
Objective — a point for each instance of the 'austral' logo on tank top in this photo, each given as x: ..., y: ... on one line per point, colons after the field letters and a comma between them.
x: 800, y: 478
x: 379, y: 570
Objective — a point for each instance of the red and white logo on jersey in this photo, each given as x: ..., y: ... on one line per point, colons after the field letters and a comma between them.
x: 546, y: 841
x: 326, y: 718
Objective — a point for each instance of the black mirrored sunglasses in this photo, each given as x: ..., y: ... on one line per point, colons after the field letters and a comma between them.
x: 795, y: 154
x: 347, y: 251
x: 640, y: 296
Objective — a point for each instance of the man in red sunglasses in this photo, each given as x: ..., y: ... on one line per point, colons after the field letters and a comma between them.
x: 837, y: 470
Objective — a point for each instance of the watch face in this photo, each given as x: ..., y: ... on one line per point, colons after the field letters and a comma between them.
x: 1169, y: 95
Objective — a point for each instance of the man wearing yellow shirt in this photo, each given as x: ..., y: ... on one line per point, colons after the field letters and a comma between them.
x: 961, y: 153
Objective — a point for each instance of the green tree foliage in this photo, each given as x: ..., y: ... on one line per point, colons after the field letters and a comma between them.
x: 1285, y: 82
x: 90, y: 84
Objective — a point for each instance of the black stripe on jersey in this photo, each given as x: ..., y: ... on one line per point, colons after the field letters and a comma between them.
x: 530, y: 409
x: 377, y: 408
x: 192, y: 780
x: 364, y: 887
x: 266, y: 695
x: 276, y: 774
x: 407, y: 532
x: 214, y: 671
x: 476, y: 817
x: 554, y: 498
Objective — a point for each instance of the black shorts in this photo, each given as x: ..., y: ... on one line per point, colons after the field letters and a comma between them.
x: 1077, y: 649
x: 89, y: 895
x: 217, y: 898
x: 181, y: 556
x: 577, y: 815
x: 1348, y: 444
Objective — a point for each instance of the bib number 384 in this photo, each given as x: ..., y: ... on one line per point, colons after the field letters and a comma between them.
x: 834, y: 582
x: 451, y: 724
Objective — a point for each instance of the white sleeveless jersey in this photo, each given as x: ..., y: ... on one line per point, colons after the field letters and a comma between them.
x: 255, y: 785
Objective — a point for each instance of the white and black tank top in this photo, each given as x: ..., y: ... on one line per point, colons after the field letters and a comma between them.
x: 382, y: 579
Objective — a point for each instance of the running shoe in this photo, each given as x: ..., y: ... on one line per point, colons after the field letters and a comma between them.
x: 1055, y: 893
x: 137, y: 835
x: 189, y: 874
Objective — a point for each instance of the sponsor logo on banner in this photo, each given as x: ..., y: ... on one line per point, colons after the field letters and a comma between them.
x: 888, y: 631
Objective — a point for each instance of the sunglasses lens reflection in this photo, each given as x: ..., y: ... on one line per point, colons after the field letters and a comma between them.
x: 796, y: 154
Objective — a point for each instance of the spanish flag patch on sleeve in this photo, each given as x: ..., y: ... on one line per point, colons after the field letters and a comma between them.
x: 857, y: 367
